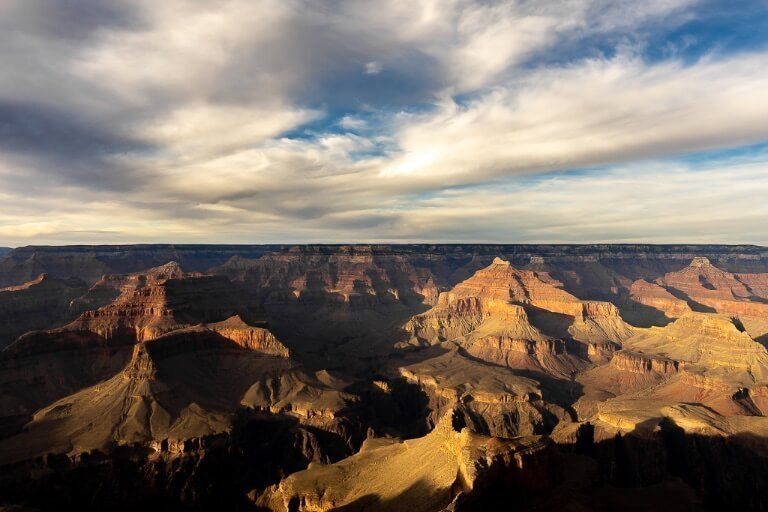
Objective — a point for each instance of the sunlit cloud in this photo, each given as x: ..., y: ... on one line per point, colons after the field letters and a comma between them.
x: 280, y: 121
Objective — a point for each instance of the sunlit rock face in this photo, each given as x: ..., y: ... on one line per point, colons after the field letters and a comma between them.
x: 386, y: 377
x: 709, y: 288
x: 437, y: 471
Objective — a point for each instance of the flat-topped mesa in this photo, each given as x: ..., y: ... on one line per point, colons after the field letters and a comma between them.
x: 126, y: 283
x: 713, y: 326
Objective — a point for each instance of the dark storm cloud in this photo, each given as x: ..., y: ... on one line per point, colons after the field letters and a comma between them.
x: 64, y: 146
x: 73, y: 20
x: 57, y: 134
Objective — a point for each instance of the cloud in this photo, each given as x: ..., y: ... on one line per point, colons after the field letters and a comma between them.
x: 364, y: 120
x: 590, y: 113
x: 658, y: 201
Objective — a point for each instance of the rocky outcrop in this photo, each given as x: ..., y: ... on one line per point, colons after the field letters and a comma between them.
x: 158, y: 301
x: 655, y: 296
x: 250, y: 337
x: 151, y: 393
x: 709, y: 288
x: 446, y: 467
x: 702, y: 279
x: 182, y: 385
x: 757, y: 284
x: 462, y: 316
x: 634, y: 362
x: 488, y: 316
x: 709, y: 344
x: 350, y: 274
x: 494, y: 401
x: 316, y: 399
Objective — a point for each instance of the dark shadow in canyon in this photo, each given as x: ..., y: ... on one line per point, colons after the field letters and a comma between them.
x: 640, y: 315
x: 658, y: 466
x: 210, y: 473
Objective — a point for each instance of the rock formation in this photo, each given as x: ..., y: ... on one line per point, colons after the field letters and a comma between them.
x: 708, y: 288
x: 488, y: 315
x: 420, y: 377
x: 431, y: 473
x: 37, y: 304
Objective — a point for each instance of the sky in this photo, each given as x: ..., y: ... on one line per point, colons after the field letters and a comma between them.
x: 356, y: 121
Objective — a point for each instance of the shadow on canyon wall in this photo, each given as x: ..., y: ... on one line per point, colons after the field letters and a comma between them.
x: 214, y: 472
x: 647, y: 469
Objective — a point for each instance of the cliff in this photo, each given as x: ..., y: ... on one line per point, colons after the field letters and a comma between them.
x: 422, y: 474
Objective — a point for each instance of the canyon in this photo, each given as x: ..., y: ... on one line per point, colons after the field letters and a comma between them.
x: 384, y: 377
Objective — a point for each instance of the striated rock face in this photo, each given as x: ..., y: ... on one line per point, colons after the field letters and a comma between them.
x: 354, y: 274
x: 487, y: 315
x: 189, y: 389
x: 655, y: 296
x: 506, y: 351
x: 464, y: 315
x: 89, y: 263
x: 35, y: 371
x: 501, y: 281
x: 494, y: 401
x: 183, y: 385
x: 756, y: 284
x: 709, y: 344
x: 634, y: 362
x: 601, y: 328
x: 701, y: 278
x: 709, y: 288
x: 248, y: 337
x: 43, y: 366
x: 317, y: 399
x: 158, y: 301
x: 425, y: 474
x: 349, y: 301
x: 701, y: 369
